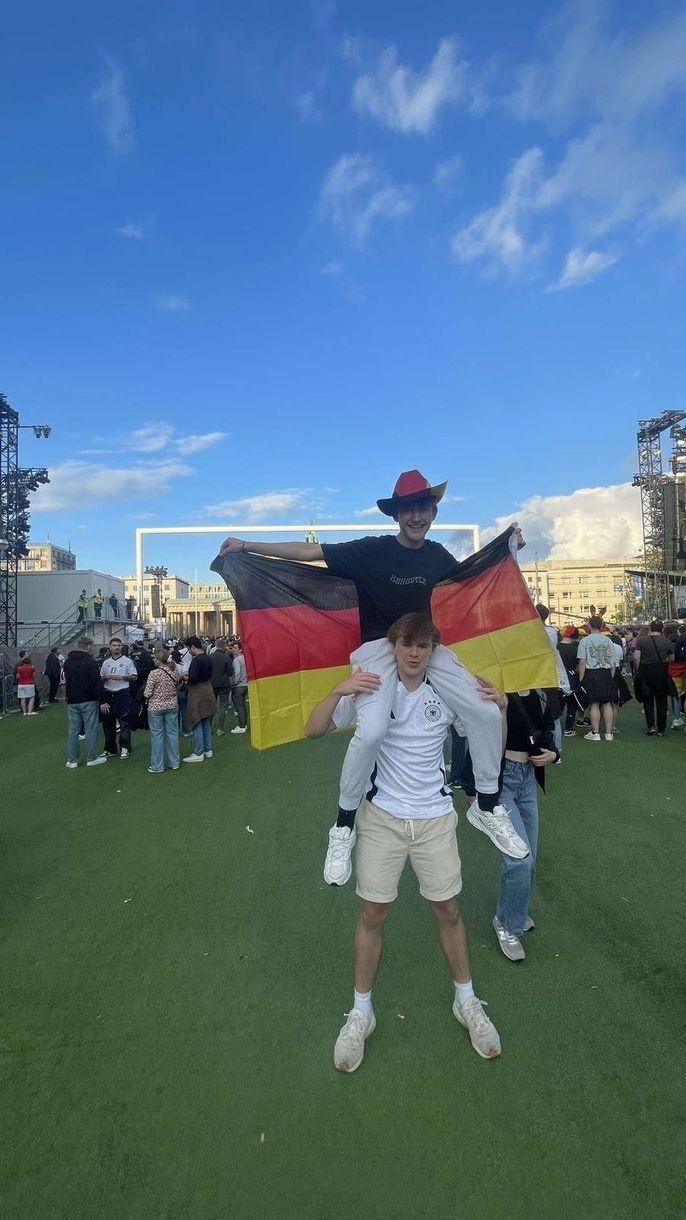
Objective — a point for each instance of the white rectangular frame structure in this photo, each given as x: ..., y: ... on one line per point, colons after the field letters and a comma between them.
x: 235, y: 531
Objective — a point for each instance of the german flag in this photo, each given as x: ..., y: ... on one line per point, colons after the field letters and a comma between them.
x: 299, y: 624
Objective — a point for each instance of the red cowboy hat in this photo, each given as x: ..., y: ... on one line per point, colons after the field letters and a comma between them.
x: 411, y: 485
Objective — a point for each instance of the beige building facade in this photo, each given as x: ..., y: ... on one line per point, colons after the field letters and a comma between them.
x: 208, y: 610
x: 171, y: 588
x: 46, y: 557
x: 569, y: 587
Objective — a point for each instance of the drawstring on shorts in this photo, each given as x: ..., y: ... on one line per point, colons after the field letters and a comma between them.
x: 409, y: 828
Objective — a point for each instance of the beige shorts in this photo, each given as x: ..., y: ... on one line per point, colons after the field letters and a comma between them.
x: 384, y: 844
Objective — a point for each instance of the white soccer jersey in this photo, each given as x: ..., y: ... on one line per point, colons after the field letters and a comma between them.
x: 114, y: 673
x: 409, y: 780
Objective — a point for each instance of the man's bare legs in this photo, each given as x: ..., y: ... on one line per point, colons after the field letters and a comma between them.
x: 594, y: 717
x: 453, y: 938
x: 369, y: 943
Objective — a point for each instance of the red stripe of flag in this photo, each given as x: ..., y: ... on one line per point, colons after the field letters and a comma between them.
x: 494, y: 599
x: 294, y: 638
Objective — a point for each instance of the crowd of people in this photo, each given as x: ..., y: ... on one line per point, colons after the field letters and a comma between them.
x: 176, y: 689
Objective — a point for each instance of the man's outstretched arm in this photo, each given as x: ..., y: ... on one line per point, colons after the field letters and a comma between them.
x: 320, y: 721
x: 305, y: 552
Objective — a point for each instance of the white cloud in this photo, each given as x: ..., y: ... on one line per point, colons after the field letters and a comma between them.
x: 333, y: 268
x: 171, y: 302
x: 447, y: 175
x: 497, y: 236
x: 582, y: 266
x: 111, y: 102
x: 590, y: 523
x: 588, y: 71
x: 256, y: 508
x: 196, y: 444
x: 372, y: 511
x: 308, y: 107
x: 75, y: 485
x: 150, y: 438
x: 131, y: 231
x: 409, y: 101
x: 358, y: 195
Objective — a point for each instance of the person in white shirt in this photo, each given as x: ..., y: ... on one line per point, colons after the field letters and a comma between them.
x: 407, y: 812
x: 118, y: 672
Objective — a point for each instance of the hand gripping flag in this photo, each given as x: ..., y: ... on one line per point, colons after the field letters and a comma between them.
x: 299, y: 624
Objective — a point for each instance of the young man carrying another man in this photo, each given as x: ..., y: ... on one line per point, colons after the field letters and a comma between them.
x: 407, y: 811
x: 395, y: 576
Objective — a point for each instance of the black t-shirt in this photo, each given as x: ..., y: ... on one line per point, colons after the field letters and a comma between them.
x: 568, y: 650
x: 654, y: 650
x: 390, y: 579
x: 200, y: 669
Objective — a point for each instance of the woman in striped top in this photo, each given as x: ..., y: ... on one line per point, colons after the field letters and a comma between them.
x: 163, y: 712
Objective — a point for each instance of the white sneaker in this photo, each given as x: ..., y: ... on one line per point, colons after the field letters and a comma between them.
x: 72, y: 765
x: 609, y: 736
x: 194, y: 758
x: 499, y: 828
x: 591, y: 736
x: 509, y: 943
x: 82, y: 736
x: 123, y: 753
x: 220, y: 732
x: 97, y: 762
x: 238, y: 729
x: 208, y: 753
x: 529, y: 924
x: 677, y: 723
x: 337, y: 866
x: 482, y: 1031
x: 348, y: 1052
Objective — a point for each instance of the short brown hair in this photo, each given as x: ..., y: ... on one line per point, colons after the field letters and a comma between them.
x: 85, y: 642
x: 414, y: 629
x: 595, y: 622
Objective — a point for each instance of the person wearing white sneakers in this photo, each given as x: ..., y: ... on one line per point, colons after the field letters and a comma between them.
x: 201, y: 701
x: 407, y: 812
x: 85, y: 695
x: 118, y: 672
x: 239, y: 689
x: 395, y: 575
x: 529, y: 748
x: 597, y: 665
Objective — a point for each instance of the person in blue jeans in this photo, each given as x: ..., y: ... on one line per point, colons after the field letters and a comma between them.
x: 163, y: 712
x: 85, y: 695
x: 529, y: 749
x: 201, y: 701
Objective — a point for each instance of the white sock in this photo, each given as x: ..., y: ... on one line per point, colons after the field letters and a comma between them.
x: 463, y: 992
x: 363, y: 1001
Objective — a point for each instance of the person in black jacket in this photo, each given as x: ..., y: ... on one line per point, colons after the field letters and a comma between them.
x: 52, y: 673
x: 222, y: 671
x: 85, y: 695
x: 529, y: 748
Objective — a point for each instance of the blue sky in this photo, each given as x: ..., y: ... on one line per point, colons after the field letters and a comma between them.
x: 258, y: 261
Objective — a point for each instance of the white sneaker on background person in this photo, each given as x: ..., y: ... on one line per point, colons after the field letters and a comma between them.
x: 194, y: 758
x: 499, y: 829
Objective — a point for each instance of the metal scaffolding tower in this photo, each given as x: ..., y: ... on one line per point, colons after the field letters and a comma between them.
x: 9, y: 481
x: 16, y: 486
x: 651, y: 481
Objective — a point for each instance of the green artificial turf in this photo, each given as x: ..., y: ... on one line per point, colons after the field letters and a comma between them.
x: 172, y: 986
